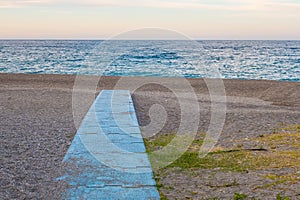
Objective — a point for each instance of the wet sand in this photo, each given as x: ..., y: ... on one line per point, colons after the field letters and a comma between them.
x: 37, y: 123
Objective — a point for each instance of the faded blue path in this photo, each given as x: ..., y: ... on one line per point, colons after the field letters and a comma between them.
x: 107, y: 158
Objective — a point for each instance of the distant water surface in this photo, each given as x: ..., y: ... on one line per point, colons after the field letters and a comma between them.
x: 271, y: 60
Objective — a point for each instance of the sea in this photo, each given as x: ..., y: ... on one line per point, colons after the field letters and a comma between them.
x: 268, y: 60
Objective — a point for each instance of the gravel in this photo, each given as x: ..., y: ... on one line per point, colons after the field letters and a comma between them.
x: 37, y: 127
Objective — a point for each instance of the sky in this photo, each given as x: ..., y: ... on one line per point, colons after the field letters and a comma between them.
x: 103, y: 19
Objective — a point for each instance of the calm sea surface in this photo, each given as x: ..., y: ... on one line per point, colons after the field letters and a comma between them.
x: 271, y: 60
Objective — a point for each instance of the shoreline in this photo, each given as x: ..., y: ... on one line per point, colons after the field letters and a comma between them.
x: 37, y: 122
x: 155, y: 77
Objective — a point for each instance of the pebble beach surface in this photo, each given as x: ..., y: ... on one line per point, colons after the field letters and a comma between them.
x: 37, y: 127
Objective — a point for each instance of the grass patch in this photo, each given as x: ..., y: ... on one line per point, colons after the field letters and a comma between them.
x: 282, y: 139
x: 279, y: 179
x: 278, y: 150
x: 270, y: 155
x: 292, y: 128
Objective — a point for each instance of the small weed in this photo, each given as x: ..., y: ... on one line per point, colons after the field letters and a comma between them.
x: 279, y: 197
x: 158, y: 142
x: 194, y: 192
x: 261, y: 147
x: 162, y: 197
x: 158, y: 183
x: 159, y: 186
x: 70, y: 135
x: 238, y: 196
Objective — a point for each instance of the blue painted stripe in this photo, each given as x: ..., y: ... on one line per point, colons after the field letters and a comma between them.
x: 107, y: 158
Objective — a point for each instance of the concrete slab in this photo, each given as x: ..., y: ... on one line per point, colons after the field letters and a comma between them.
x: 107, y: 158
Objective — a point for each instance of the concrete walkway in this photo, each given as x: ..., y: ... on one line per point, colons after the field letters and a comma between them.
x: 107, y: 158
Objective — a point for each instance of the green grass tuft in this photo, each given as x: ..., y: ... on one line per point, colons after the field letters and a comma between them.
x: 238, y: 196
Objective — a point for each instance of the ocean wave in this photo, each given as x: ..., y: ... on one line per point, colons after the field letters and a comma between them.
x: 271, y: 60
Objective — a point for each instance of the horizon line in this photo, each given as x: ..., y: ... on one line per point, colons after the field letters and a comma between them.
x: 153, y: 39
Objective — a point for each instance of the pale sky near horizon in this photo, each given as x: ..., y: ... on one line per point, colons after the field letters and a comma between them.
x: 198, y: 19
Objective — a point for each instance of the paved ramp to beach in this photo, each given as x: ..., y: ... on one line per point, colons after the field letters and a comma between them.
x: 107, y: 158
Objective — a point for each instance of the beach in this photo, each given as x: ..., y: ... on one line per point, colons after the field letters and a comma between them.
x: 37, y: 127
